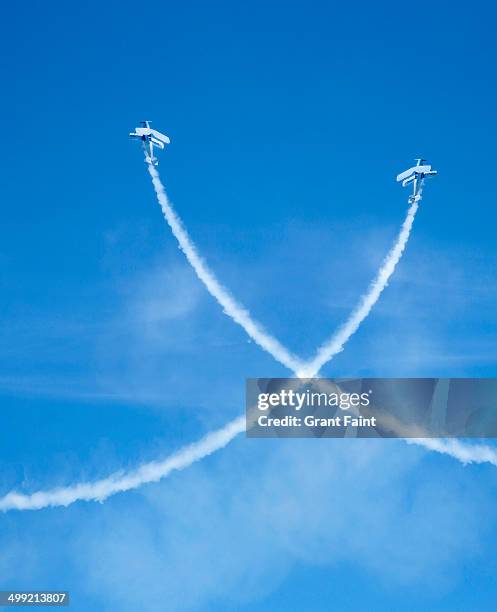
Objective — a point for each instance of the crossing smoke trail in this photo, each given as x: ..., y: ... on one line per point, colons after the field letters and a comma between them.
x: 330, y: 348
x: 336, y: 343
x: 216, y: 440
x: 230, y: 306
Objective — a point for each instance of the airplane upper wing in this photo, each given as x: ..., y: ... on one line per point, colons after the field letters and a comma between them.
x: 415, y: 169
x: 406, y: 174
x: 160, y: 136
x: 142, y: 131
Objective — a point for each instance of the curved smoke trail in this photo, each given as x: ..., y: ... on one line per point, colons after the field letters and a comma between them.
x: 336, y: 343
x: 119, y: 482
x: 239, y: 314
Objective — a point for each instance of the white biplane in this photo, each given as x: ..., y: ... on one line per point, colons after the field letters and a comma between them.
x: 416, y: 175
x: 150, y: 138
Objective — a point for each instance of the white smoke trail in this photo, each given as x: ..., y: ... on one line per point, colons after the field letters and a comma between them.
x: 336, y: 343
x: 119, y: 482
x: 239, y: 314
x: 465, y: 453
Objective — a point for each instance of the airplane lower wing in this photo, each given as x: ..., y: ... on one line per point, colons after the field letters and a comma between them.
x: 157, y: 142
x: 408, y: 180
x: 159, y: 136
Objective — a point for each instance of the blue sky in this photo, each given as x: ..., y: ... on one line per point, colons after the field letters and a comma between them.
x: 288, y: 126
